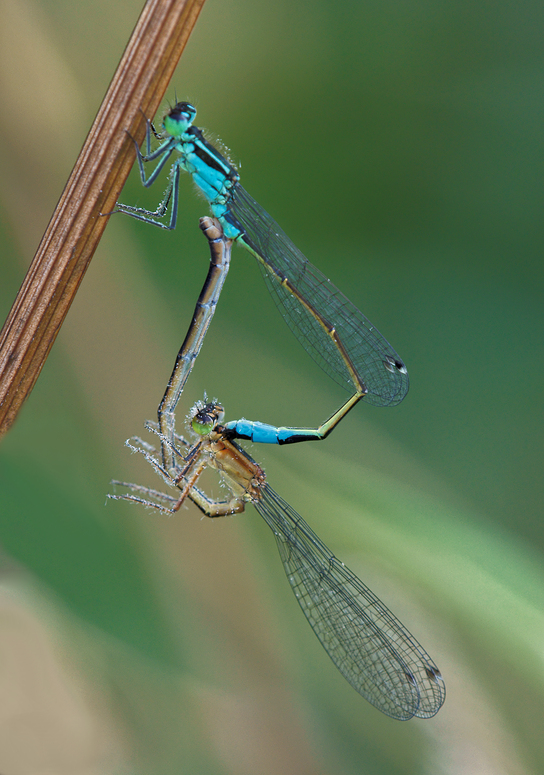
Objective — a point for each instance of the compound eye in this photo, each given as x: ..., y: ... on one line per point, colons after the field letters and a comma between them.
x: 206, y: 418
x: 179, y: 119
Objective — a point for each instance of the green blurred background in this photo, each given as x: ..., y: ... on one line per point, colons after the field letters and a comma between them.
x: 400, y: 147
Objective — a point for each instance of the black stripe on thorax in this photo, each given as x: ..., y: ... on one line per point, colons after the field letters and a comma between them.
x: 210, y: 155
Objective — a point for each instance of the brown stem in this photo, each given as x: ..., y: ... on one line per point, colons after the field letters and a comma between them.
x: 101, y: 169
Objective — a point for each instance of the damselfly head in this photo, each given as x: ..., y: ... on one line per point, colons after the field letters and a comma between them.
x: 205, y: 416
x: 179, y: 119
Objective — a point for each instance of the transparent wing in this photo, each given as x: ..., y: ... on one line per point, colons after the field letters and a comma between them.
x: 333, y: 331
x: 370, y: 646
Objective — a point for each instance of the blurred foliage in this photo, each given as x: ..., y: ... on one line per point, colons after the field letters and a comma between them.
x: 400, y: 147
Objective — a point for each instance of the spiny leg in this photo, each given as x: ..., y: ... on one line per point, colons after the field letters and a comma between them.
x: 208, y: 506
x: 150, y: 216
x: 184, y: 476
x: 147, y: 491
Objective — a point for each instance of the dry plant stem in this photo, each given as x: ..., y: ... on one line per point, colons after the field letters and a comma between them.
x: 100, y: 171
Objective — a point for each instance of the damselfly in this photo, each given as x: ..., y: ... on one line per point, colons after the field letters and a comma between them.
x: 332, y: 330
x: 367, y: 643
